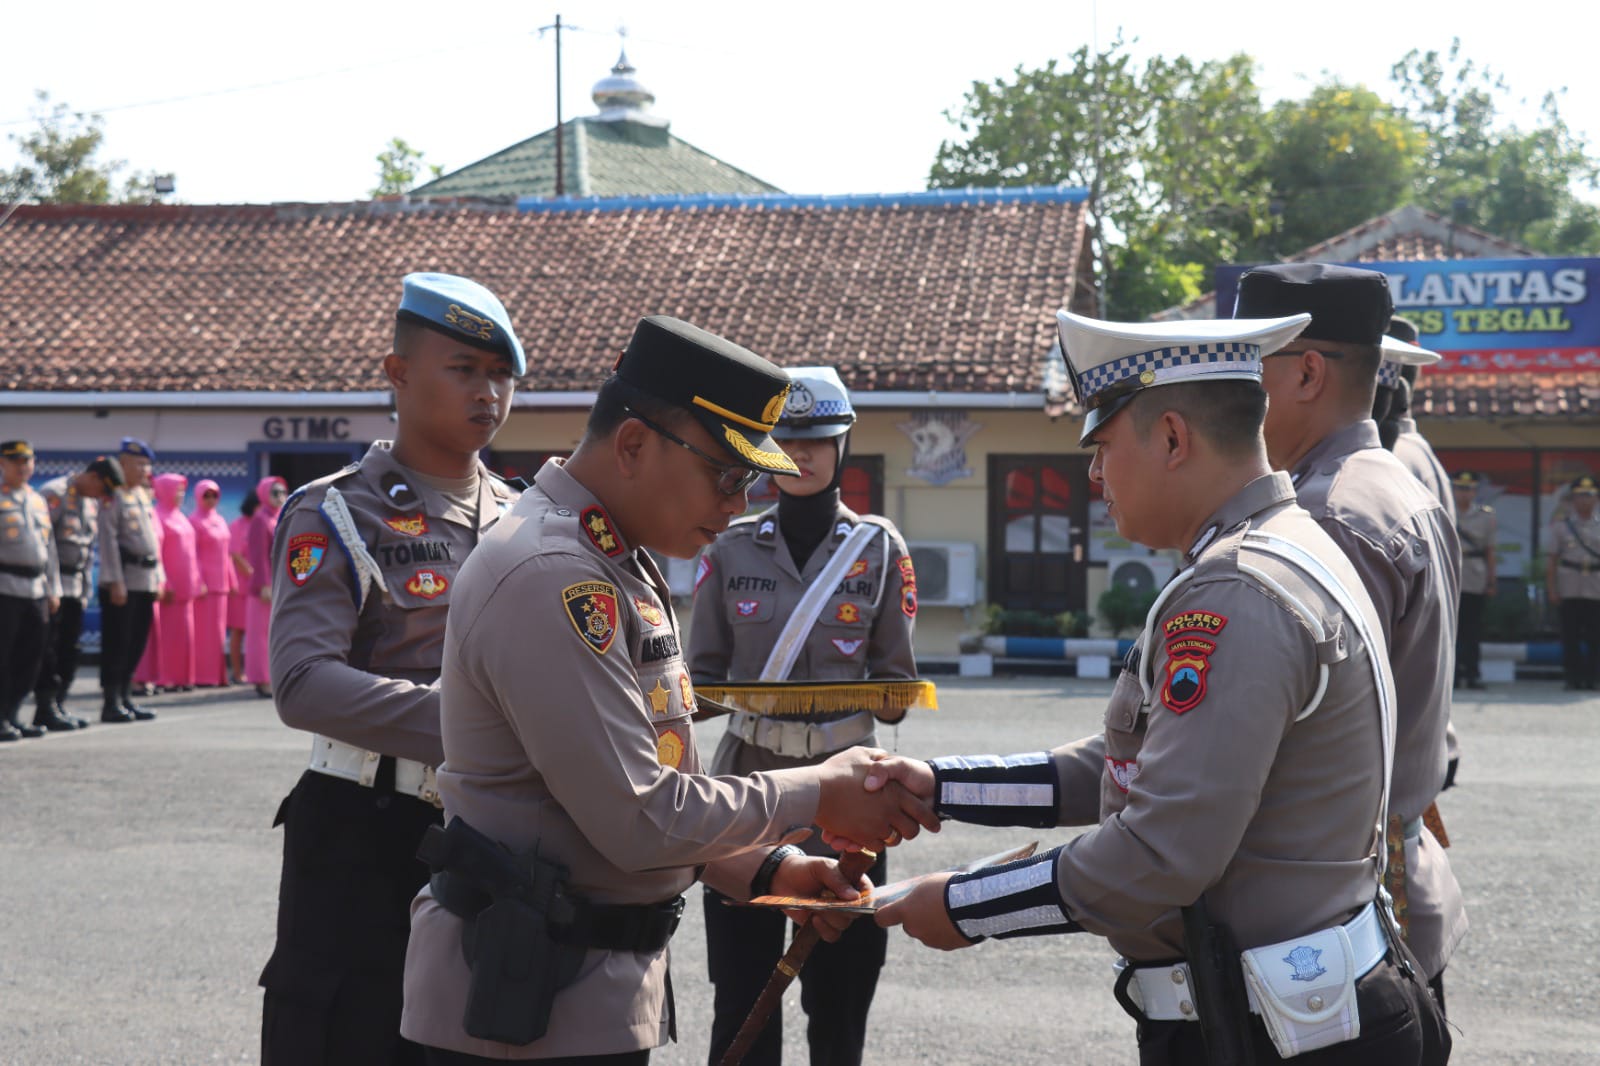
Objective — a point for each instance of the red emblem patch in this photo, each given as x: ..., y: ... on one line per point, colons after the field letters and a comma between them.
x: 305, y: 555
x: 429, y: 584
x: 702, y: 570
x: 686, y: 690
x: 1122, y: 771
x: 598, y: 527
x: 591, y: 606
x: 848, y: 613
x: 908, y: 600
x: 1193, y: 622
x: 1186, y: 681
x: 408, y: 525
x: 746, y: 608
x: 908, y: 573
x: 857, y: 569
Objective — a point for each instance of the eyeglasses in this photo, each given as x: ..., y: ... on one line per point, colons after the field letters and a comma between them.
x: 731, y: 479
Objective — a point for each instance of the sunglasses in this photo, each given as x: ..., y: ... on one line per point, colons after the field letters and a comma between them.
x: 731, y: 479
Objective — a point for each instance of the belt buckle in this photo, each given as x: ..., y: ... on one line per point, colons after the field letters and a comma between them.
x: 794, y: 738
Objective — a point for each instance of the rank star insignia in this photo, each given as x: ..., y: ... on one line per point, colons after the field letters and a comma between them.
x: 429, y: 584
x: 648, y: 611
x: 598, y: 528
x: 591, y: 607
x: 669, y: 749
x: 305, y: 555
x: 408, y: 525
x: 1186, y: 682
x: 848, y: 613
x: 660, y: 697
x: 686, y: 692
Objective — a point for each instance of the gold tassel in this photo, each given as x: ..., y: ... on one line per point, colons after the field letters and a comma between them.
x: 785, y: 698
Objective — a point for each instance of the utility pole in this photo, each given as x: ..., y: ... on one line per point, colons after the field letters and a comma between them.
x: 561, y: 182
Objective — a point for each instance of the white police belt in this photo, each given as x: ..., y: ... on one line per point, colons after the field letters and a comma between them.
x: 338, y: 759
x: 796, y: 739
x: 1285, y: 975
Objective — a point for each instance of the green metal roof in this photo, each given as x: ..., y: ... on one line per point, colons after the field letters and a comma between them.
x: 599, y: 158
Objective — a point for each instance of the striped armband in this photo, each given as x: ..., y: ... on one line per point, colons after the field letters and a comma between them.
x: 1016, y: 899
x: 990, y: 790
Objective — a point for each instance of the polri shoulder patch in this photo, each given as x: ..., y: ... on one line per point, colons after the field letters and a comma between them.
x: 591, y: 606
x: 1185, y: 686
x: 305, y: 555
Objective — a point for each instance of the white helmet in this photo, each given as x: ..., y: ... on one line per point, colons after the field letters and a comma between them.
x: 818, y: 405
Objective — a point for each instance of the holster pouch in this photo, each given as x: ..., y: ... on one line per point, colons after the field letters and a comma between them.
x: 513, y: 906
x: 1305, y: 990
x: 1222, y: 1005
x: 517, y: 969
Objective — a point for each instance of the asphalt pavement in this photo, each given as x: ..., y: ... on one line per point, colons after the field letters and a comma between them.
x: 138, y: 874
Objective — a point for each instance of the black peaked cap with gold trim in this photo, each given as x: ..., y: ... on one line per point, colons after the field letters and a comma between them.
x: 731, y: 391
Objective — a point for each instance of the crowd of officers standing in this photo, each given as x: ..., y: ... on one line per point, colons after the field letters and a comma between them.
x: 486, y: 855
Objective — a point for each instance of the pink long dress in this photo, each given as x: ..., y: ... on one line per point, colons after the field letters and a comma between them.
x: 238, y: 543
x: 257, y: 669
x: 175, y: 648
x: 211, y: 540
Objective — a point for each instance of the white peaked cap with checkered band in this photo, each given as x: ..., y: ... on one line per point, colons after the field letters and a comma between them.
x: 1111, y: 362
x: 1398, y: 353
x: 818, y: 405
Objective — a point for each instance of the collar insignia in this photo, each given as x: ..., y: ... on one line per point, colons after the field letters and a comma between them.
x: 598, y: 529
x: 408, y: 525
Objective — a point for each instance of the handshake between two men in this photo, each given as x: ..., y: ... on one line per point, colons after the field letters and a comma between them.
x: 870, y: 799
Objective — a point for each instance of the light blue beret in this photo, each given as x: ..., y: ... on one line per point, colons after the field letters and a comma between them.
x: 458, y: 307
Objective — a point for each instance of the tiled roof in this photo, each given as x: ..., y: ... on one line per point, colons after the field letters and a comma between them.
x: 933, y: 291
x: 599, y: 158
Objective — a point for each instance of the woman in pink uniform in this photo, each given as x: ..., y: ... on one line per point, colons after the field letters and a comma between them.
x: 175, y: 647
x: 211, y: 540
x: 238, y: 551
x: 271, y: 491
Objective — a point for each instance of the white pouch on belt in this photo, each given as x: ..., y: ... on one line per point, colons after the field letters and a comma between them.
x: 1305, y: 990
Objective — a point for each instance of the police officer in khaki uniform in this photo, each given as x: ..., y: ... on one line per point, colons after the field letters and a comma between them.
x: 748, y: 589
x: 578, y: 813
x: 1477, y: 529
x: 74, y: 502
x: 1240, y: 783
x: 365, y: 564
x: 30, y: 584
x: 1399, y: 379
x: 1572, y: 583
x: 1396, y: 536
x: 131, y: 580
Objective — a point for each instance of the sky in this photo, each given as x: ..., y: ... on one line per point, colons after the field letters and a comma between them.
x: 293, y: 100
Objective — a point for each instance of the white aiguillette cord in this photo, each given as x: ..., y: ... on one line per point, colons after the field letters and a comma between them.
x: 794, y: 634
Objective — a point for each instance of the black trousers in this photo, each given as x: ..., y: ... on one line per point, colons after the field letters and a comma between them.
x: 1400, y: 1026
x: 22, y: 626
x: 1580, y: 641
x: 743, y: 945
x: 334, y: 982
x: 123, y: 632
x: 58, y: 665
x: 1469, y: 635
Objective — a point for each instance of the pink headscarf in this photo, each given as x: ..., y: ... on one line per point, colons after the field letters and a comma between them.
x: 263, y: 524
x: 177, y: 538
x: 212, y: 540
x: 168, y: 491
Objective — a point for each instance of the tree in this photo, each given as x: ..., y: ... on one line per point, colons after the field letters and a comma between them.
x: 398, y: 167
x: 1516, y: 183
x: 1337, y: 158
x: 1165, y: 150
x: 60, y: 165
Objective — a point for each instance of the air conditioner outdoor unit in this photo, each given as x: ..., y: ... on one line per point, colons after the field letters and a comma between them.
x: 1140, y: 572
x: 947, y: 572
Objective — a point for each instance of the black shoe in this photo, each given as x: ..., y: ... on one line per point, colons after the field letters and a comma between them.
x: 8, y: 732
x: 140, y: 714
x: 27, y: 730
x: 112, y: 713
x: 47, y: 718
x: 264, y: 692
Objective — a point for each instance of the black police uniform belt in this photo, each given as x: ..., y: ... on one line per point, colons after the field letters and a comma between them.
x: 146, y: 561
x: 22, y: 571
x: 642, y: 927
